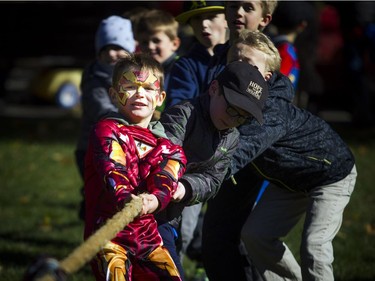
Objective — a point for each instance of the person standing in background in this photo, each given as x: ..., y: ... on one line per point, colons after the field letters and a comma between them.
x: 207, y: 20
x: 290, y: 19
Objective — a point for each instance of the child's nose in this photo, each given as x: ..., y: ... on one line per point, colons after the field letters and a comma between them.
x: 151, y: 45
x: 140, y: 91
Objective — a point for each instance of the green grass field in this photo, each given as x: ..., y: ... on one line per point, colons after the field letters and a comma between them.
x: 40, y: 194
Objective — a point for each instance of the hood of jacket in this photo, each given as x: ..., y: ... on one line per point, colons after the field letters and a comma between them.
x: 154, y: 126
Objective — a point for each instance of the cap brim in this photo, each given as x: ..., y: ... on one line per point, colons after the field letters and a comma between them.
x: 244, y: 103
x: 184, y: 17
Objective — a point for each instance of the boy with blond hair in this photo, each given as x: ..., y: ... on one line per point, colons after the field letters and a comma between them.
x: 312, y: 173
x: 157, y: 35
x: 128, y: 155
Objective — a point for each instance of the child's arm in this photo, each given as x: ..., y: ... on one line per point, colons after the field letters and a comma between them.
x: 163, y: 180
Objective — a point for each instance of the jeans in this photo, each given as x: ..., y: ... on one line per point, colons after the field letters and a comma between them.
x: 278, y: 211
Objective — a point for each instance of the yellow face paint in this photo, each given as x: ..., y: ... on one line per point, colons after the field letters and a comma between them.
x: 122, y: 97
x: 137, y: 79
x: 142, y: 78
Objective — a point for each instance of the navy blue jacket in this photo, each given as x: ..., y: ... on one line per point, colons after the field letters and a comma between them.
x: 188, y: 76
x: 293, y: 148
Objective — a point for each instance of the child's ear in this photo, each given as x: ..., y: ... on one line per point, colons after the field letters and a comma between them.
x: 160, y: 98
x: 113, y: 95
x: 267, y: 75
x: 176, y: 43
x: 265, y: 21
x: 214, y: 88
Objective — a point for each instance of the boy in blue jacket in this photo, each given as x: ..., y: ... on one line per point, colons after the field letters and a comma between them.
x: 312, y: 174
x: 187, y: 78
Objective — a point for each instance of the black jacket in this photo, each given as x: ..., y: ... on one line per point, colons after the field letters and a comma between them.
x: 208, y: 150
x: 293, y: 148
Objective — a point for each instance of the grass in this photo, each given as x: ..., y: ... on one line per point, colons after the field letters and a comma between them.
x: 40, y: 194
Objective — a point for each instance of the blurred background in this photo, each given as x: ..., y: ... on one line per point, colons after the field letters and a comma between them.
x: 45, y: 45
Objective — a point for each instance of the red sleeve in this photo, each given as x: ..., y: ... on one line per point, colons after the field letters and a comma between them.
x: 287, y: 62
x: 163, y: 179
x: 114, y: 160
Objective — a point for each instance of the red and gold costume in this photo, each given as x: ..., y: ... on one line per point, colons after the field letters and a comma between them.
x: 124, y: 160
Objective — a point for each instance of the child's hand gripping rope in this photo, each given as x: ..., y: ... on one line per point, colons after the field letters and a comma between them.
x: 49, y: 269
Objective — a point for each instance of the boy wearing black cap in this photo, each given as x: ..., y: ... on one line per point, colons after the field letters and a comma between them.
x: 205, y: 128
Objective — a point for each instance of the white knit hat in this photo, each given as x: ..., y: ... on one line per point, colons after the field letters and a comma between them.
x: 115, y: 30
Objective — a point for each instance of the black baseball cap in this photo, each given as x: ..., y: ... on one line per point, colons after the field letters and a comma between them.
x: 244, y: 87
x: 193, y: 8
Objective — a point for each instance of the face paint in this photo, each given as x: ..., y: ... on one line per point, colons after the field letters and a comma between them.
x: 140, y: 78
x: 122, y: 97
x: 132, y: 81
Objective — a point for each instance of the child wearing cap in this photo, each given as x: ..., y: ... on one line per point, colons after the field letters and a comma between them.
x: 209, y: 26
x: 312, y: 173
x: 205, y: 128
x: 127, y: 156
x: 113, y: 40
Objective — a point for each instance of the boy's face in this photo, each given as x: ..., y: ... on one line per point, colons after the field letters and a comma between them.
x: 209, y: 28
x: 158, y: 45
x: 248, y: 54
x: 137, y: 95
x: 111, y: 54
x: 223, y: 114
x: 242, y: 15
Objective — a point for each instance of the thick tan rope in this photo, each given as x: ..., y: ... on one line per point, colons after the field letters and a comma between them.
x: 88, y: 249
